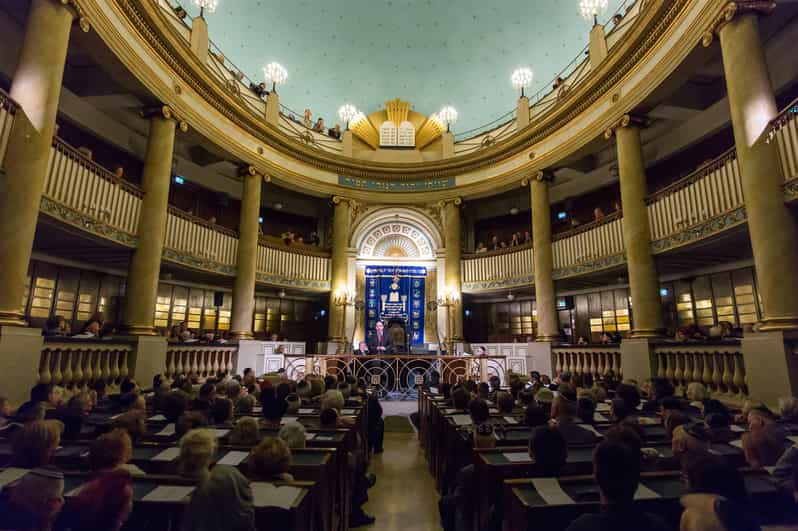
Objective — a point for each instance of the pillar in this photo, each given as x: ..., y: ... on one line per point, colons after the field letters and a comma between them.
x: 339, y: 275
x: 522, y: 113
x: 199, y: 39
x: 273, y: 108
x: 247, y: 256
x: 643, y: 282
x: 36, y: 87
x: 347, y: 143
x: 543, y: 255
x: 452, y: 257
x: 447, y: 145
x: 774, y: 238
x: 145, y: 266
x: 598, y: 46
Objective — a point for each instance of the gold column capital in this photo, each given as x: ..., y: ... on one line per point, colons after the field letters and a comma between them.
x: 338, y: 199
x: 541, y: 176
x: 732, y: 9
x: 167, y: 113
x: 627, y: 120
x: 80, y: 14
x: 456, y: 201
x: 248, y: 170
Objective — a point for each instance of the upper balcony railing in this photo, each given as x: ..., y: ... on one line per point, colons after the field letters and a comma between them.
x: 784, y: 131
x: 544, y: 101
x: 82, y: 193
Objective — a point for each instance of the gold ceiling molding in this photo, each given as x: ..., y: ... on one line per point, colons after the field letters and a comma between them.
x: 146, y: 18
x: 397, y: 110
x: 429, y: 131
x: 366, y: 131
x: 731, y: 10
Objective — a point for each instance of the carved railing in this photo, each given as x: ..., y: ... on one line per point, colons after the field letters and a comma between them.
x: 200, y: 360
x: 199, y: 238
x: 711, y: 191
x: 784, y: 131
x: 511, y: 266
x: 595, y: 240
x: 596, y: 361
x: 8, y: 108
x: 76, y: 364
x: 302, y: 268
x: 720, y: 367
x: 93, y: 193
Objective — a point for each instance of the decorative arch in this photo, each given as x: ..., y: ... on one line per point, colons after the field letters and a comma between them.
x: 398, y: 233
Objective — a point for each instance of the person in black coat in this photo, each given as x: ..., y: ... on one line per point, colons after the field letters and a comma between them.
x: 380, y: 342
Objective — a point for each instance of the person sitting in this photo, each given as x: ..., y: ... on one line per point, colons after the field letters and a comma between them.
x: 292, y: 404
x: 709, y: 512
x: 548, y: 451
x: 362, y: 349
x: 535, y: 416
x: 483, y: 391
x: 246, y: 432
x: 460, y: 399
x: 35, y: 443
x: 270, y: 460
x: 505, y: 402
x: 714, y: 475
x: 616, y: 470
x: 696, y: 394
x: 112, y: 450
x: 479, y: 411
x: 689, y: 444
x: 188, y: 421
x: 34, y: 502
x: 90, y: 330
x: 272, y: 410
x: 328, y: 419
x: 375, y: 425
x: 768, y: 446
x: 133, y: 423
x: 221, y: 411
x: 515, y: 241
x: 294, y: 434
x: 104, y: 503
x: 318, y: 127
x: 544, y: 398
x: 717, y: 420
x: 481, y: 248
x: 563, y: 411
x: 207, y: 395
x: 56, y: 327
x: 174, y: 405
x: 335, y: 132
x: 673, y: 421
x: 223, y: 498
x: 303, y: 390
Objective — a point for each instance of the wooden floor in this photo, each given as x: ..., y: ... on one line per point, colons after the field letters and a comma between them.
x: 404, y: 496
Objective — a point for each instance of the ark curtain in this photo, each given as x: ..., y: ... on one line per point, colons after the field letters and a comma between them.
x: 396, y: 292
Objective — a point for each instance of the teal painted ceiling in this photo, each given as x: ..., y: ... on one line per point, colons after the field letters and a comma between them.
x: 429, y: 52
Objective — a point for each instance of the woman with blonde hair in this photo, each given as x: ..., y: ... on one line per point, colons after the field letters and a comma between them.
x: 223, y: 498
x: 35, y: 443
x: 271, y: 460
x: 246, y: 432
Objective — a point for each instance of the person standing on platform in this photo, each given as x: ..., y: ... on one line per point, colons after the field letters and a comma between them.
x: 380, y: 342
x: 362, y: 349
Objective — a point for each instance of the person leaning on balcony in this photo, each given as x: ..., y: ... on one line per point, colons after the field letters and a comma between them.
x: 306, y: 118
x: 56, y: 327
x: 319, y: 126
x: 481, y: 248
x: 597, y: 213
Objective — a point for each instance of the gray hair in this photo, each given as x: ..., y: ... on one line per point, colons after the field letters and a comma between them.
x: 293, y: 433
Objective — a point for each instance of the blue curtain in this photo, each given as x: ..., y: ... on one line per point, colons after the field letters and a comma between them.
x: 396, y: 292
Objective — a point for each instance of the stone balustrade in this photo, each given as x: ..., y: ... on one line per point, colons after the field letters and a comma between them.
x: 76, y: 364
x: 597, y: 361
x: 718, y: 366
x: 200, y: 360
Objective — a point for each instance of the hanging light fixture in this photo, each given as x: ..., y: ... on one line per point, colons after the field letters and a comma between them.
x: 592, y: 9
x: 521, y: 79
x: 210, y: 5
x: 276, y: 74
x: 448, y: 116
x: 347, y: 112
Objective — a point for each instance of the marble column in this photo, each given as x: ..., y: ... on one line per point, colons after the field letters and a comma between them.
x: 522, y: 113
x: 247, y: 256
x: 452, y: 257
x: 774, y: 238
x: 543, y: 255
x: 145, y: 266
x: 339, y: 270
x: 36, y: 87
x: 643, y: 282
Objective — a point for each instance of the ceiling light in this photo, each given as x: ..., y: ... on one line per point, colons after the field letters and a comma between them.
x: 510, y: 296
x: 448, y: 116
x: 275, y: 74
x: 592, y: 9
x: 210, y: 5
x: 347, y: 112
x: 281, y: 293
x: 278, y: 206
x: 514, y: 211
x: 521, y: 79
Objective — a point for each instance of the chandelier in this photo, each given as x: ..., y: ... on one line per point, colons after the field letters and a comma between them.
x: 275, y: 74
x: 347, y: 112
x: 447, y: 115
x: 521, y: 79
x: 210, y: 5
x: 592, y: 9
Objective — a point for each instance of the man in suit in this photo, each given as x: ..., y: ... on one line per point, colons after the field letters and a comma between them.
x: 362, y: 349
x: 380, y: 342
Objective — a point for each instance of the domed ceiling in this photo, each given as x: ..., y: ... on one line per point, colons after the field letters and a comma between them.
x: 428, y: 52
